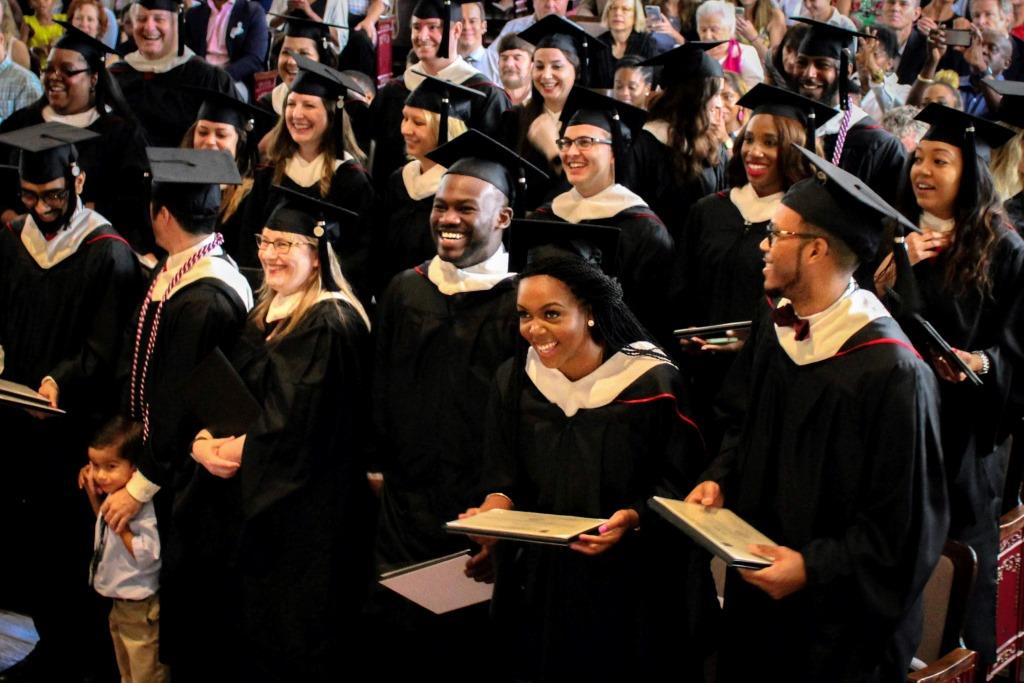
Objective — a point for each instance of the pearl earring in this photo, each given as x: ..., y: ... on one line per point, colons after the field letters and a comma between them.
x: 590, y: 323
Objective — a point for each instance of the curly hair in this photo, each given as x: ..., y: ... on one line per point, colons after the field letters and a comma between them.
x: 793, y: 165
x: 685, y: 108
x: 1005, y: 166
x: 101, y: 13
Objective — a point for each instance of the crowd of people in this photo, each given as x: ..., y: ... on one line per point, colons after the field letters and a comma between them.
x: 284, y: 331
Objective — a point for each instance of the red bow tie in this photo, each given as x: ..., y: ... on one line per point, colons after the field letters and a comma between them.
x: 785, y: 316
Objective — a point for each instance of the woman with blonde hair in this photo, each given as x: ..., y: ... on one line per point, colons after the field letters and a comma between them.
x: 291, y: 492
x: 434, y: 113
x: 627, y: 33
x: 1007, y: 163
x: 313, y: 151
x: 761, y: 26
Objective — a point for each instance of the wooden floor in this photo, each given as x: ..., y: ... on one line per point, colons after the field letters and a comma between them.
x: 17, y: 638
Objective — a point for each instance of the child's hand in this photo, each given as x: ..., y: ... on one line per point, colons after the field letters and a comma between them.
x: 85, y: 480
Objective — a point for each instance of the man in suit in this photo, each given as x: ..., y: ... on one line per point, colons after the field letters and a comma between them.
x: 237, y: 41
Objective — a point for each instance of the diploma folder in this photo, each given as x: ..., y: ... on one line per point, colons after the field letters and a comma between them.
x: 719, y: 531
x: 722, y: 329
x: 19, y: 395
x: 929, y: 337
x: 532, y: 527
x: 219, y: 398
x: 439, y: 585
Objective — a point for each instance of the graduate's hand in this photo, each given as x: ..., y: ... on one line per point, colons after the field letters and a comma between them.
x: 926, y: 244
x: 118, y: 509
x: 610, y: 533
x: 49, y: 390
x: 707, y: 493
x: 785, y: 576
x: 480, y: 567
x: 232, y: 449
x: 952, y: 374
x: 206, y: 453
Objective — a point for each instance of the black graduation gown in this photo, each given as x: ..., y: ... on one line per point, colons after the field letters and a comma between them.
x: 873, y: 154
x: 164, y: 107
x: 645, y: 260
x: 823, y: 458
x: 114, y: 165
x: 646, y: 606
x: 436, y: 356
x: 513, y: 126
x: 402, y: 239
x: 203, y: 315
x: 350, y: 189
x: 385, y: 121
x: 977, y: 420
x: 67, y: 322
x: 655, y: 181
x: 295, y: 521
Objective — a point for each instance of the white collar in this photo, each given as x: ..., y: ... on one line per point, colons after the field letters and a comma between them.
x: 308, y: 173
x: 597, y: 389
x: 753, y: 208
x: 831, y: 328
x: 659, y: 129
x: 158, y: 66
x: 573, y: 207
x: 421, y: 184
x: 278, y: 96
x: 48, y: 253
x: 831, y: 126
x: 932, y: 222
x: 483, y: 276
x: 456, y: 72
x: 283, y: 306
x: 82, y: 119
x: 216, y: 265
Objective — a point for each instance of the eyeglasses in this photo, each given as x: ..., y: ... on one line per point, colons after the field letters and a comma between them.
x: 583, y: 143
x: 281, y: 247
x: 53, y: 198
x: 63, y: 72
x: 772, y: 233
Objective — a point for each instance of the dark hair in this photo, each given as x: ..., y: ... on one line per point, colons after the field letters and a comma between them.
x: 245, y: 158
x: 123, y: 434
x: 888, y: 39
x: 323, y: 52
x: 512, y: 41
x: 968, y: 260
x: 162, y: 196
x: 793, y: 165
x: 685, y: 108
x: 615, y: 326
x: 633, y: 62
x: 775, y: 67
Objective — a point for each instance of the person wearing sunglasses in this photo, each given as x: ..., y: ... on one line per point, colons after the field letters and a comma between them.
x: 594, y: 150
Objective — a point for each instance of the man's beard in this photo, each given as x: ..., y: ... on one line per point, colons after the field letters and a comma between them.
x: 515, y: 84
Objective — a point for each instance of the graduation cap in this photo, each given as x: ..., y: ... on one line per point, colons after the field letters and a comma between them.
x: 221, y: 108
x: 47, y: 151
x: 189, y: 180
x: 442, y: 97
x: 767, y: 99
x: 536, y: 240
x: 1011, y: 108
x: 975, y: 136
x: 686, y: 62
x: 176, y: 6
x: 562, y: 34
x: 441, y: 9
x: 622, y: 121
x: 304, y: 215
x: 93, y: 51
x: 320, y: 80
x: 299, y: 25
x: 844, y: 205
x: 479, y: 156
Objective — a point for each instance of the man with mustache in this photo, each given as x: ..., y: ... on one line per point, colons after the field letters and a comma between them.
x: 515, y: 60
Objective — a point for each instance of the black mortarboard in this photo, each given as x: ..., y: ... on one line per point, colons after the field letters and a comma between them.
x: 842, y: 204
x: 223, y: 108
x: 535, y: 240
x: 825, y: 40
x: 305, y: 215
x: 445, y: 98
x: 189, y: 180
x: 320, y: 80
x: 47, y: 150
x: 176, y: 6
x: 622, y: 121
x: 479, y: 156
x: 767, y: 99
x: 686, y: 62
x: 1011, y: 108
x: 299, y: 25
x: 93, y: 51
x: 560, y: 33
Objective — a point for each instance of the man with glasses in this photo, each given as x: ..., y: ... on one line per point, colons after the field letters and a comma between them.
x: 594, y: 153
x: 68, y: 287
x: 832, y: 450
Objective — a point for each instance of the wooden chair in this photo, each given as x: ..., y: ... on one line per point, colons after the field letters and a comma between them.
x: 1010, y: 596
x: 945, y: 606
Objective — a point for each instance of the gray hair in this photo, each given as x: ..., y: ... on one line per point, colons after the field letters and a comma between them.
x: 1005, y: 6
x: 723, y: 10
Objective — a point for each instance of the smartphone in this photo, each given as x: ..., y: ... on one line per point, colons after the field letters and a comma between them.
x: 740, y: 11
x: 957, y: 37
x: 653, y: 13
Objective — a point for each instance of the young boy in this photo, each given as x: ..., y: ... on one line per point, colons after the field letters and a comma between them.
x: 125, y: 567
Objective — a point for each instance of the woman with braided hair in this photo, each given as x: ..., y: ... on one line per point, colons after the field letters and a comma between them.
x: 589, y: 420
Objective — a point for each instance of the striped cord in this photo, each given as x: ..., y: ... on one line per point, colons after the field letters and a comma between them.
x: 837, y: 154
